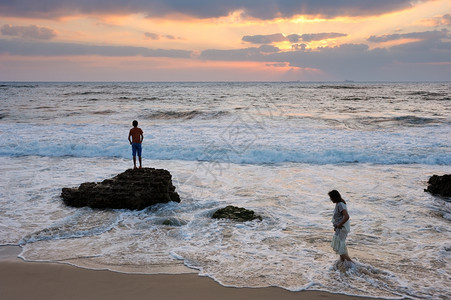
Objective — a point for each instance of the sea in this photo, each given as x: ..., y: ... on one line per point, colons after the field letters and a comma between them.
x: 276, y: 148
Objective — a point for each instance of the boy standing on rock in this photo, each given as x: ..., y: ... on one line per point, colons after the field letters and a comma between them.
x: 135, y: 137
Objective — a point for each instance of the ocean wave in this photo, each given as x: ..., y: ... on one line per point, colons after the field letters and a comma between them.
x: 342, y: 87
x: 218, y: 158
x: 104, y: 112
x: 191, y: 114
x: 86, y: 93
x: 413, y: 120
x: 128, y: 98
x: 15, y: 85
x: 427, y: 94
x: 238, y: 142
x: 371, y: 123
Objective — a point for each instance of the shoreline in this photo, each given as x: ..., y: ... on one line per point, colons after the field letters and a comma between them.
x: 20, y: 279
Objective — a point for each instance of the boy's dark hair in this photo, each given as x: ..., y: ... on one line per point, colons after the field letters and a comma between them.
x: 135, y: 123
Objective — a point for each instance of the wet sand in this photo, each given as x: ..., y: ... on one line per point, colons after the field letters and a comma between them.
x: 40, y: 280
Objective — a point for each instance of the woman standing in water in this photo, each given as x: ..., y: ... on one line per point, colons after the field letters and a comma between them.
x: 340, y: 220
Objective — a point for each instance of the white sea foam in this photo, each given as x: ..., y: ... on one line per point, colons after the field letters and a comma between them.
x: 289, y: 248
x: 309, y: 146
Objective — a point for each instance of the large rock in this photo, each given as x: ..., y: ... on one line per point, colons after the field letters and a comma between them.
x: 132, y: 189
x: 440, y: 185
x: 236, y: 213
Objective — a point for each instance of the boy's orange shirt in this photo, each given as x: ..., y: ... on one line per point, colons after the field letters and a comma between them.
x: 136, y: 133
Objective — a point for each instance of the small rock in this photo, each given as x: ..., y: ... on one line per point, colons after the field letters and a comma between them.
x: 236, y: 213
x: 173, y: 222
x: 440, y: 185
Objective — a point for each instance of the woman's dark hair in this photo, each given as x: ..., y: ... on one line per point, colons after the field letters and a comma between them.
x: 335, y: 196
x: 135, y: 123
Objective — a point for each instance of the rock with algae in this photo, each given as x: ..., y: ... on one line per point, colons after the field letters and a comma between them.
x: 133, y: 189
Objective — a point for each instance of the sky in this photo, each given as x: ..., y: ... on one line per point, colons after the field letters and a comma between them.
x: 225, y: 40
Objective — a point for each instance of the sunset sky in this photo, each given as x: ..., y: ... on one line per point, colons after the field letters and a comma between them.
x: 225, y: 40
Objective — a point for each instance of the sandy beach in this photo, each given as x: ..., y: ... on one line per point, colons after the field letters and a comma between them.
x: 36, y: 280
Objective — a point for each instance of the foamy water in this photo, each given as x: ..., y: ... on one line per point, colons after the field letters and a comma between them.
x: 276, y: 148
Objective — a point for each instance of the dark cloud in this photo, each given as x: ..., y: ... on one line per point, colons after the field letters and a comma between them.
x: 426, y: 35
x: 308, y: 37
x: 247, y: 54
x: 345, y: 48
x: 446, y: 19
x: 258, y: 54
x: 278, y: 65
x: 293, y: 38
x: 28, y: 32
x: 152, y: 36
x: 358, y: 61
x: 16, y: 47
x: 264, y: 39
x: 268, y: 49
x: 268, y: 9
x: 299, y: 47
x: 423, y: 52
x: 155, y: 36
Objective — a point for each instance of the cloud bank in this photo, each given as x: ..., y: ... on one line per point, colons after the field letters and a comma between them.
x: 424, y: 36
x: 264, y: 39
x: 293, y: 38
x: 269, y: 9
x: 430, y: 49
x: 25, y: 48
x: 28, y: 32
x: 156, y: 37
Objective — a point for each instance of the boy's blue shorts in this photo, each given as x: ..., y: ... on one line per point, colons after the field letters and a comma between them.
x: 136, y: 147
